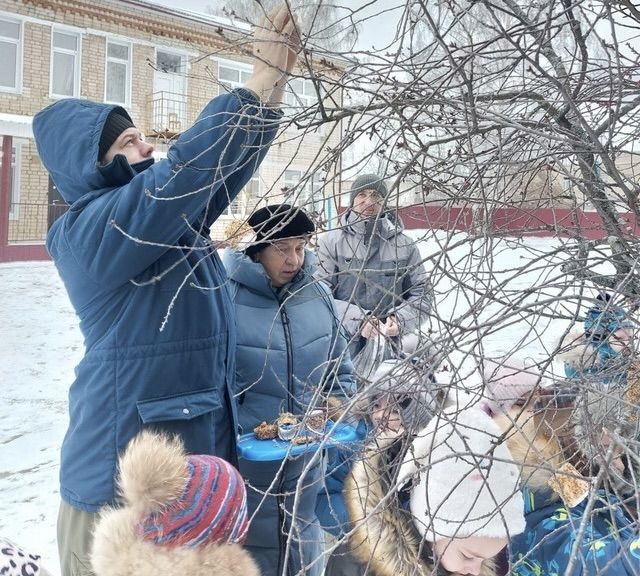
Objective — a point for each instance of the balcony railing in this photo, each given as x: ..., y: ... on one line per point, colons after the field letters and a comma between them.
x: 170, y: 113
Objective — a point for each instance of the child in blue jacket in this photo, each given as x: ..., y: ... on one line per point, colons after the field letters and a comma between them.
x: 399, y: 401
x: 600, y: 351
x: 576, y: 455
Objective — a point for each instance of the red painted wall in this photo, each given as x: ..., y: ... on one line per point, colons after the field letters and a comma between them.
x: 514, y: 221
x: 20, y: 253
x: 12, y: 252
x: 505, y: 221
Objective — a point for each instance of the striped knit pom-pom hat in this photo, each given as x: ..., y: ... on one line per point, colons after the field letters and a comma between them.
x: 182, y: 500
x: 212, y: 508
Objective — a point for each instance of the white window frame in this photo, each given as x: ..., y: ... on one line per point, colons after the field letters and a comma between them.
x: 294, y: 100
x: 19, y: 43
x: 291, y: 181
x: 184, y: 61
x: 16, y: 170
x: 176, y: 103
x: 77, y: 62
x: 128, y: 62
x: 242, y: 207
x: 240, y: 67
x: 302, y: 194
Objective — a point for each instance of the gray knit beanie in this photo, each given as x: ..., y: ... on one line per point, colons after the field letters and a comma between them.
x: 367, y: 182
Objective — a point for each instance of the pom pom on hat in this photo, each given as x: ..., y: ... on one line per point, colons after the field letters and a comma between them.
x: 467, y: 482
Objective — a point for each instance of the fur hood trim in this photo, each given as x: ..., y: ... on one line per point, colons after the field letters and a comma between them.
x: 118, y: 551
x: 574, y: 349
x: 382, y: 537
x: 539, y: 455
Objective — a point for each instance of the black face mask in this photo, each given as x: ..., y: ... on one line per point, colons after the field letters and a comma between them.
x: 119, y: 172
x: 142, y: 166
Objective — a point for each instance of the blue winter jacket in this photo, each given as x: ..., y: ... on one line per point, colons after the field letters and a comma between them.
x: 149, y: 291
x: 331, y: 508
x: 610, y: 546
x: 289, y: 348
x: 591, y: 361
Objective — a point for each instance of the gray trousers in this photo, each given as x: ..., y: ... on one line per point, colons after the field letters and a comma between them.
x: 75, y: 530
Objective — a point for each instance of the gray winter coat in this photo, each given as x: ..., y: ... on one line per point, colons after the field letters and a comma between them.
x: 374, y: 269
x: 289, y: 347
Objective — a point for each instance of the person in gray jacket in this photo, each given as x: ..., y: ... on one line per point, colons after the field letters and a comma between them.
x: 290, y: 356
x: 374, y: 270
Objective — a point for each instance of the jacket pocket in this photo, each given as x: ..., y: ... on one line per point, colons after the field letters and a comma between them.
x: 393, y: 276
x: 190, y: 415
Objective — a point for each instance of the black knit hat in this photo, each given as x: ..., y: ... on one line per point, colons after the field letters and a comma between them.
x: 116, y: 123
x: 275, y: 222
x: 367, y: 182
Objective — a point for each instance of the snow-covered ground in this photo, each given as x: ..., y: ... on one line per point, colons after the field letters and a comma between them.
x: 40, y: 344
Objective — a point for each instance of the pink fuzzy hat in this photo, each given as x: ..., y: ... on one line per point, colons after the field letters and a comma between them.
x: 506, y: 381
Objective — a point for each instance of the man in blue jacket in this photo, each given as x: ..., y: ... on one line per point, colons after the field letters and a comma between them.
x: 145, y: 281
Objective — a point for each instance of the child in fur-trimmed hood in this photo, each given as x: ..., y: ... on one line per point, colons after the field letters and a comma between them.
x: 575, y: 450
x: 181, y: 514
x: 599, y: 353
x: 464, y: 500
x: 399, y: 400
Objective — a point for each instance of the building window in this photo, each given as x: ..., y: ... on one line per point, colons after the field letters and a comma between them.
x: 246, y: 200
x: 10, y: 54
x: 14, y: 199
x: 300, y: 93
x: 65, y: 63
x: 118, y: 73
x: 170, y: 92
x: 232, y: 75
x: 169, y: 63
x: 307, y: 196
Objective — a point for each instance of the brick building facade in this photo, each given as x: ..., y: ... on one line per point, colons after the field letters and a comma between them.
x: 162, y: 65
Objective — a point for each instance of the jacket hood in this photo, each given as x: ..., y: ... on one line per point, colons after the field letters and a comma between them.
x: 575, y: 350
x: 383, y: 536
x: 67, y: 135
x: 243, y: 270
x: 118, y: 550
x: 389, y: 224
x: 555, y: 438
x: 538, y: 455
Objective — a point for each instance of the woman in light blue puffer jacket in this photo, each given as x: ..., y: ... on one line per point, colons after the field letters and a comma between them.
x: 290, y: 356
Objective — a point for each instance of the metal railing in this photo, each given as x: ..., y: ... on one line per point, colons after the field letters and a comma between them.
x: 171, y: 113
x: 29, y: 222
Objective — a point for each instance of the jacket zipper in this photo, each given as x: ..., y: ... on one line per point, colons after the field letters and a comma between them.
x: 287, y: 338
x: 281, y: 514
